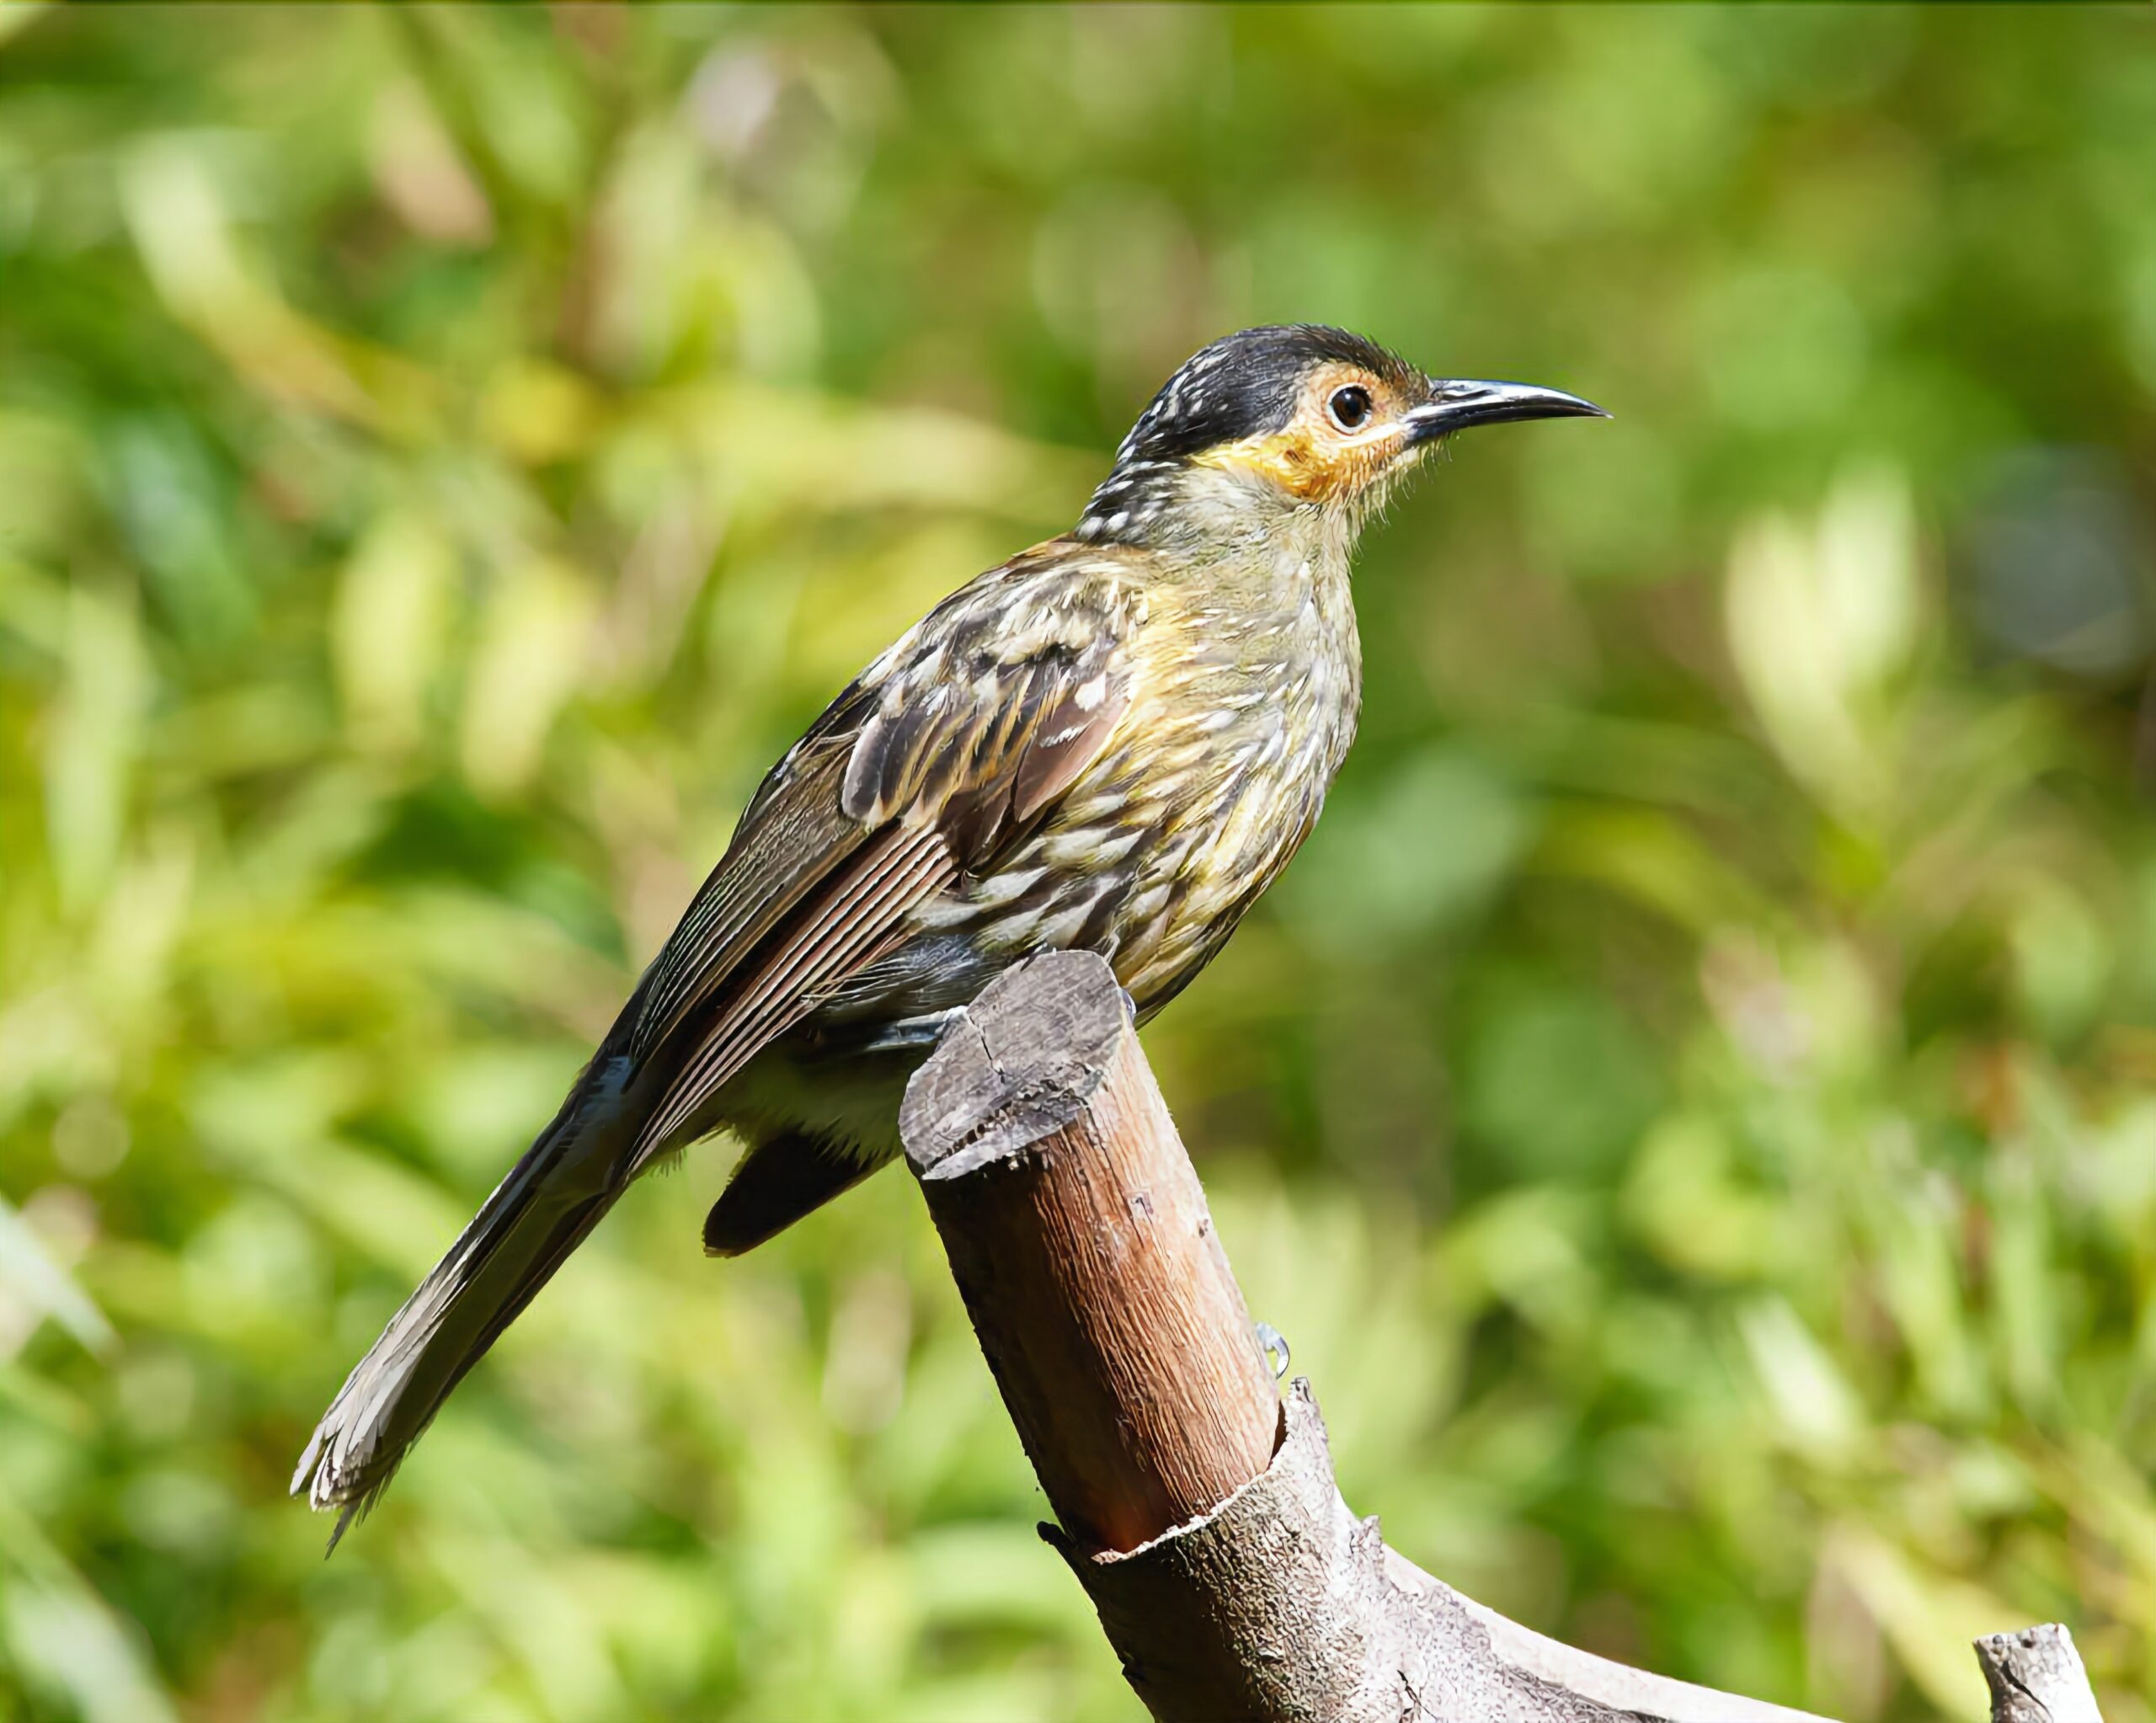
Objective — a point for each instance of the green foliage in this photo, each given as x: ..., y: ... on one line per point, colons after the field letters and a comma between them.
x: 1688, y: 1110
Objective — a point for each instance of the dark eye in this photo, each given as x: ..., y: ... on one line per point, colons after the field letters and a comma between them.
x: 1349, y: 407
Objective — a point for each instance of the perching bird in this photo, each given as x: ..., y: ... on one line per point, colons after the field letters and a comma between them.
x: 1113, y: 742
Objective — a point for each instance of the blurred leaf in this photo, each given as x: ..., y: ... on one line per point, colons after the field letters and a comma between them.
x: 1554, y: 1080
x: 63, y: 1639
x: 1425, y: 854
x: 1929, y: 1619
x: 93, y: 741
x: 1813, y: 1406
x: 178, y: 216
x: 30, y: 1277
x: 388, y: 628
x: 534, y: 648
x: 1695, y: 1215
x: 1818, y: 622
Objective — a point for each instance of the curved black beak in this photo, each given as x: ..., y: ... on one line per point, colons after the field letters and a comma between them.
x: 1455, y: 406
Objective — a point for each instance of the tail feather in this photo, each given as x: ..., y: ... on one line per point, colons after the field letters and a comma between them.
x: 776, y: 1182
x: 552, y: 1198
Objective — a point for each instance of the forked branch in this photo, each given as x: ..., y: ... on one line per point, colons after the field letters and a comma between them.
x: 1197, y: 1510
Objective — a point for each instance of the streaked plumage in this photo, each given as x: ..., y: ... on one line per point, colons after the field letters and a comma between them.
x: 1115, y: 741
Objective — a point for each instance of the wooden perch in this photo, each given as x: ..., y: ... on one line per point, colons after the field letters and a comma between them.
x: 1078, y: 1234
x: 2035, y: 1677
x: 1197, y: 1510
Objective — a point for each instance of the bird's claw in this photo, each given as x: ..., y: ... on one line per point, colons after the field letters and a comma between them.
x: 1275, y: 1344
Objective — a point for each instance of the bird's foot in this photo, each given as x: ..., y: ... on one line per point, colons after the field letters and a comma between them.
x: 1276, y: 1348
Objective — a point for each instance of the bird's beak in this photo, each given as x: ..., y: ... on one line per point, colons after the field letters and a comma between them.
x: 1455, y: 406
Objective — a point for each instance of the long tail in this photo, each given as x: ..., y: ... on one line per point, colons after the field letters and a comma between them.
x: 568, y: 1179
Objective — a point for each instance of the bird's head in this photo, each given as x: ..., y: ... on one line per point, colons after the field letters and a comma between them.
x: 1293, y: 420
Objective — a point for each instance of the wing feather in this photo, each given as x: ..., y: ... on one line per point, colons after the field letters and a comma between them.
x: 1025, y: 693
x: 789, y: 842
x: 958, y: 738
x: 848, y: 925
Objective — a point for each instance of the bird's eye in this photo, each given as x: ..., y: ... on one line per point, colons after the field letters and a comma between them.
x: 1349, y: 407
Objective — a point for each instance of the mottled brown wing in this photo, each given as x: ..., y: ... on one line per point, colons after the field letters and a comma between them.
x: 959, y: 736
x: 993, y: 735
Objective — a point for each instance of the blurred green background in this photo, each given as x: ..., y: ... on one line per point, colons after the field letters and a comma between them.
x: 1689, y: 1108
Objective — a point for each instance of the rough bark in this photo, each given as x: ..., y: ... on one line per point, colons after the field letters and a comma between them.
x: 2035, y: 1677
x: 1201, y: 1515
x: 1078, y: 1234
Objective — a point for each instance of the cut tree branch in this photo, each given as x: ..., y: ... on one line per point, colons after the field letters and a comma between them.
x: 2035, y: 1677
x: 1198, y: 1512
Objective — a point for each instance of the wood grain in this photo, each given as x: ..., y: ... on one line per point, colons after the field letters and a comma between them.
x: 1080, y: 1240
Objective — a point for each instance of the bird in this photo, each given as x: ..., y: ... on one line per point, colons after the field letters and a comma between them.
x: 1113, y: 742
